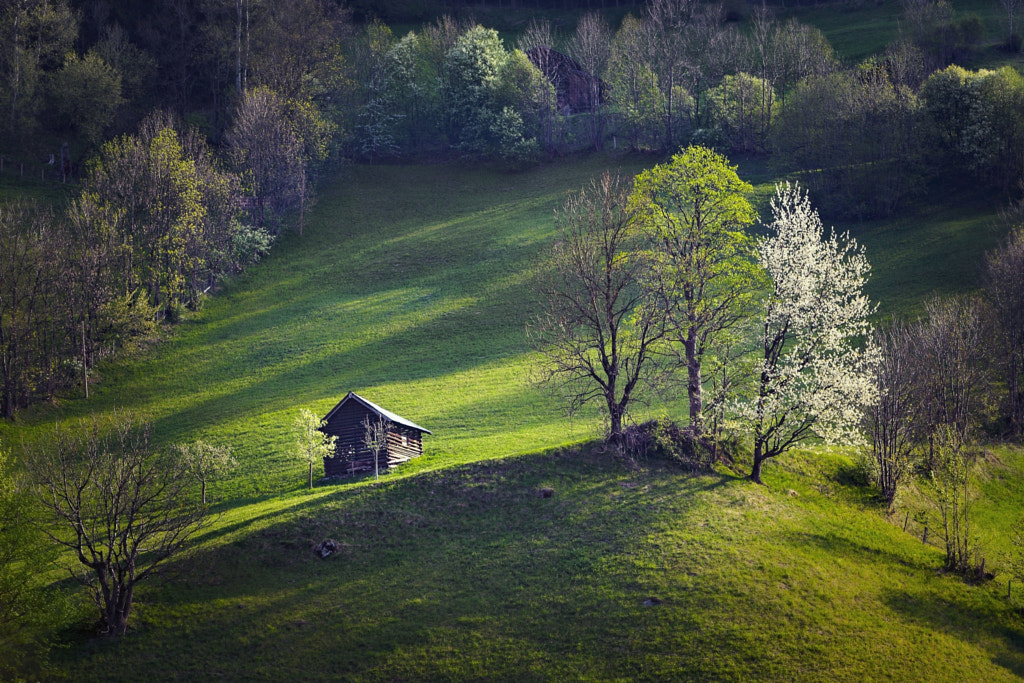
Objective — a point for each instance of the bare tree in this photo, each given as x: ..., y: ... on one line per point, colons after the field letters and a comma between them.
x: 633, y: 85
x: 591, y: 46
x: 1012, y: 8
x: 951, y: 493
x: 375, y: 438
x: 266, y: 152
x: 1004, y: 285
x: 892, y: 418
x: 537, y: 42
x: 667, y: 24
x: 32, y: 301
x: 600, y: 327
x: 954, y: 382
x: 121, y: 508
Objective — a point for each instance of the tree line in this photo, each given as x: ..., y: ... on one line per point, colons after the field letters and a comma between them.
x: 677, y: 72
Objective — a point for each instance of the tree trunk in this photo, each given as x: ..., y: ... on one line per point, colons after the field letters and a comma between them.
x: 755, y: 472
x: 615, y: 419
x: 694, y: 384
x: 310, y: 475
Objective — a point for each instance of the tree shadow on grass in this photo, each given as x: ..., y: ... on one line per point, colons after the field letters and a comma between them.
x: 985, y: 621
x: 450, y: 574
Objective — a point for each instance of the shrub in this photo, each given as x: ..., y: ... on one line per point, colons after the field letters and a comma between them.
x: 681, y: 445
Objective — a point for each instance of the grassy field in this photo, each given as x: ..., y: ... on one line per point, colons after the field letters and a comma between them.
x: 413, y: 286
x: 631, y: 571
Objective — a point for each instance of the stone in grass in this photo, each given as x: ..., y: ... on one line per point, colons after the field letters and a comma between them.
x: 546, y: 492
x: 326, y: 548
x: 652, y: 601
x: 792, y: 494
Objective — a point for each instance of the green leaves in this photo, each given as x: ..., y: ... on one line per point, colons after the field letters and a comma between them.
x: 694, y: 212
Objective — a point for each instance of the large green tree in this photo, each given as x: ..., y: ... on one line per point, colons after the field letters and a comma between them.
x: 695, y: 211
x: 486, y: 91
x: 172, y: 207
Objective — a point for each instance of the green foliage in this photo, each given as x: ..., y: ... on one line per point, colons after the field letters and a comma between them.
x: 249, y: 244
x: 980, y: 117
x: 204, y: 462
x: 172, y: 207
x: 738, y: 112
x: 34, y: 37
x: 311, y: 444
x: 84, y: 96
x: 633, y: 85
x: 951, y: 492
x: 135, y: 66
x: 695, y: 212
x: 125, y: 323
x: 859, y: 137
x: 487, y: 90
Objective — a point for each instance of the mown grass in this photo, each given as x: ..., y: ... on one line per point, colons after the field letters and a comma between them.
x: 413, y: 286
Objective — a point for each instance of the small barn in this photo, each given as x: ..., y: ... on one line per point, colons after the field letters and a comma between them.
x: 574, y: 86
x: 347, y: 421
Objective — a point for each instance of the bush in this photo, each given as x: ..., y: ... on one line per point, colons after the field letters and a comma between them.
x: 669, y: 441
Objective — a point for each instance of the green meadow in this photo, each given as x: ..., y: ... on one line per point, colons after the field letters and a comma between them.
x: 413, y: 285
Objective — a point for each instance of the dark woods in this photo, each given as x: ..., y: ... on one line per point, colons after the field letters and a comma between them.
x: 220, y: 115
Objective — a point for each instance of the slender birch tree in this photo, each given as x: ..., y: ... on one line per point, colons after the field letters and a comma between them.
x: 311, y: 444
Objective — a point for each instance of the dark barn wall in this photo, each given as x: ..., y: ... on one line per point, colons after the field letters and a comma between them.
x: 351, y: 454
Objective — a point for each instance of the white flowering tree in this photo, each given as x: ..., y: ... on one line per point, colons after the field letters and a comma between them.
x: 814, y: 379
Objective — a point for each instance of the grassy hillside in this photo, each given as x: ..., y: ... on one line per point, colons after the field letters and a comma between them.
x: 466, y: 573
x: 412, y: 285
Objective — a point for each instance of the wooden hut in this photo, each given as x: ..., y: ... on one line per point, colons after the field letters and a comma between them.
x: 575, y: 87
x: 347, y: 422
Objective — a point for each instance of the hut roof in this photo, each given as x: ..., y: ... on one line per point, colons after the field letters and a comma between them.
x: 373, y: 407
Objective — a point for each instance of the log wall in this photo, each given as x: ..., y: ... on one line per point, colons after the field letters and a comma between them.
x: 351, y: 454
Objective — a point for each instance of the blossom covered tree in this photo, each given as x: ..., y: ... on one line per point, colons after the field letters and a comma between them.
x: 814, y: 379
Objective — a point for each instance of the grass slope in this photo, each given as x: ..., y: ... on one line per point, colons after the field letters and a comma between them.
x: 412, y: 285
x: 466, y: 573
